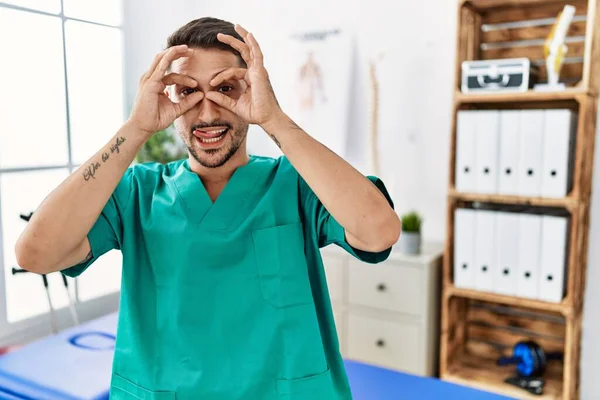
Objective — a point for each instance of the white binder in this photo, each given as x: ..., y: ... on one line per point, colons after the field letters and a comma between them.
x: 486, y: 151
x: 558, y: 145
x: 464, y: 248
x: 509, y: 152
x: 530, y: 152
x: 484, y: 249
x: 506, y: 254
x: 530, y: 232
x: 465, y: 151
x: 553, y: 264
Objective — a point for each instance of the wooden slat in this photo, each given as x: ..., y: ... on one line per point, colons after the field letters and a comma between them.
x: 514, y: 14
x: 483, y: 5
x: 572, y: 72
x: 509, y: 338
x: 452, y: 291
x: 453, y: 330
x: 571, y: 361
x: 534, y: 53
x: 591, y: 71
x: 520, y: 99
x: 527, y: 321
x: 565, y: 202
x: 576, y: 28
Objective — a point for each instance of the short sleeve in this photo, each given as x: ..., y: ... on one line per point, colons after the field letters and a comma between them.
x: 328, y: 231
x: 107, y: 232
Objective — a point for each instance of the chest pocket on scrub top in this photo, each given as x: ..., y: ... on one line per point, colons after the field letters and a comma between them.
x: 282, y: 265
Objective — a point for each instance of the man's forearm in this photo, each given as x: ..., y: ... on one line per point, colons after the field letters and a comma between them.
x: 351, y: 198
x: 66, y: 216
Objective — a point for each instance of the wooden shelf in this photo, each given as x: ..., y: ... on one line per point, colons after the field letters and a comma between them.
x: 564, y: 202
x: 476, y: 327
x: 530, y: 96
x: 562, y: 308
x: 486, y: 375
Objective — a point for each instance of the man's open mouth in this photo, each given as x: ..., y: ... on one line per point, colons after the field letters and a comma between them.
x: 210, y: 135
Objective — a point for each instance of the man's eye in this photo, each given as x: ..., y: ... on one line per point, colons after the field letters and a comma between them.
x: 187, y: 91
x: 225, y: 89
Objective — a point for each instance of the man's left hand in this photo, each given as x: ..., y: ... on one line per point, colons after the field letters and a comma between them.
x: 258, y: 104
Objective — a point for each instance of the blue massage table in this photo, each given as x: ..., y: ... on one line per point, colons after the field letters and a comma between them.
x: 76, y: 365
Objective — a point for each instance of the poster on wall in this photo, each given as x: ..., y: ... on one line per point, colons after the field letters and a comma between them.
x: 312, y: 81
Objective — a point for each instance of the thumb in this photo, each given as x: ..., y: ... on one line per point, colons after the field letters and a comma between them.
x: 187, y: 103
x: 222, y: 100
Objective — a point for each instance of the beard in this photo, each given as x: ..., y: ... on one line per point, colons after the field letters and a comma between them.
x: 214, y: 158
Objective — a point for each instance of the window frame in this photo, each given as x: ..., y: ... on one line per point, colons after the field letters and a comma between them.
x: 34, y: 327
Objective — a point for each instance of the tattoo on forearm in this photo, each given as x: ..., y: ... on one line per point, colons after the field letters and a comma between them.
x: 294, y: 125
x: 87, y: 258
x: 275, y: 140
x: 91, y: 170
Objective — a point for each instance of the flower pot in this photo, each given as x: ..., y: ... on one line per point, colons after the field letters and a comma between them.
x: 410, y: 242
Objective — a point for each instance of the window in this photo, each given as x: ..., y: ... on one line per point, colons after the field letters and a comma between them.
x: 64, y: 99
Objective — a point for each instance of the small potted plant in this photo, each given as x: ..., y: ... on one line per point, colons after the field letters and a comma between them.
x: 410, y: 238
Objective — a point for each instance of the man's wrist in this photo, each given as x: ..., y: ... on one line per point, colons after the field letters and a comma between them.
x: 275, y: 123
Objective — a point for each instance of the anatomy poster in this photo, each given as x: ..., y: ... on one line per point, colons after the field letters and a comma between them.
x: 312, y: 82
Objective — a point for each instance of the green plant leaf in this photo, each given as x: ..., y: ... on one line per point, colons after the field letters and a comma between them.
x: 411, y: 222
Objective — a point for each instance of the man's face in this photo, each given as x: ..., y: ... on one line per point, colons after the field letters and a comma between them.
x: 211, y: 133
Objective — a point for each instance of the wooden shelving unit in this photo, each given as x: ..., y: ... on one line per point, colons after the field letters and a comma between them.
x: 478, y: 327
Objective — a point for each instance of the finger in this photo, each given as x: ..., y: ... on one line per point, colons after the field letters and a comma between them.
x: 257, y: 54
x: 236, y: 44
x: 187, y: 103
x: 241, y: 31
x: 179, y: 79
x: 171, y: 55
x: 231, y: 73
x: 222, y: 100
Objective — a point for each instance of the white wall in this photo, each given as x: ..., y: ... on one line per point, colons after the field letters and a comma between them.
x: 419, y: 45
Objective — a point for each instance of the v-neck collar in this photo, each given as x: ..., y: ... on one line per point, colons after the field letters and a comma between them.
x: 222, y: 213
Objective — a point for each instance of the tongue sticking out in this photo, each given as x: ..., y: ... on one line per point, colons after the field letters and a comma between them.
x: 210, y: 133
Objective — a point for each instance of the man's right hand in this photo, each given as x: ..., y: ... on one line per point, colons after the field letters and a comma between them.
x: 153, y: 110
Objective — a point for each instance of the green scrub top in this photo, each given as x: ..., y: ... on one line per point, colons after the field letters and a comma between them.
x: 223, y: 300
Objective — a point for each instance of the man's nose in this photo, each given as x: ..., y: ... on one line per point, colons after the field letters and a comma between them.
x: 208, y: 111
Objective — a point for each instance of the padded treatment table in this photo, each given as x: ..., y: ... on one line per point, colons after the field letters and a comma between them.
x: 73, y: 364
x: 373, y: 383
x: 77, y: 363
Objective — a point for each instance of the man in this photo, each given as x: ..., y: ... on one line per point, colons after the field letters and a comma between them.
x: 223, y: 290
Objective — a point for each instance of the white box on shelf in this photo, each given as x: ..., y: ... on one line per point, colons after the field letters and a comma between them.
x: 464, y: 248
x: 500, y: 75
x: 486, y: 154
x: 507, y: 246
x: 485, y: 231
x: 531, y: 135
x: 465, y: 151
x: 554, y: 262
x: 530, y: 232
x: 508, y: 164
x: 559, y: 137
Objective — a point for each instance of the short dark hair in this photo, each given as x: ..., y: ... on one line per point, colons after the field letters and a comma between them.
x: 202, y: 33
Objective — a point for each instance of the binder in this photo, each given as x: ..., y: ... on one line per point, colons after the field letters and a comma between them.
x: 506, y: 253
x: 530, y: 230
x: 486, y: 151
x: 464, y: 248
x: 484, y: 249
x: 557, y: 154
x: 554, y: 263
x: 509, y: 152
x: 465, y: 151
x: 530, y: 152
